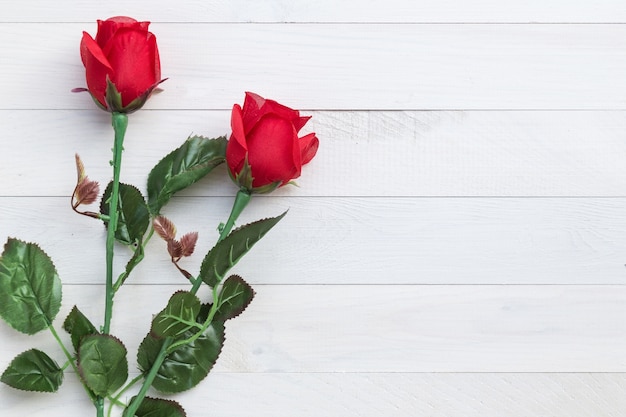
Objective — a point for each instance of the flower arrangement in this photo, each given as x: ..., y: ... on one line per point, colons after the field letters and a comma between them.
x: 264, y: 151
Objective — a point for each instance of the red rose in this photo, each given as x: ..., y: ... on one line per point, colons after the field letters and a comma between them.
x: 126, y: 54
x: 264, y: 150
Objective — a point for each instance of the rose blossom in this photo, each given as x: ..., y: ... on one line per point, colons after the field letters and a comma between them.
x: 125, y: 53
x: 265, y: 137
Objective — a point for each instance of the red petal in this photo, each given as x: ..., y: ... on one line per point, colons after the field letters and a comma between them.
x: 97, y: 67
x: 155, y: 58
x: 134, y: 56
x: 300, y: 122
x: 107, y: 28
x: 308, y: 147
x: 285, y: 112
x: 272, y: 151
x: 251, y: 112
x: 236, y: 148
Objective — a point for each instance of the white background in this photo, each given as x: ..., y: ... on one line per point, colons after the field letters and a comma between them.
x: 456, y: 248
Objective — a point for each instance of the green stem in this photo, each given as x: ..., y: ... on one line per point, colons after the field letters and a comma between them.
x: 116, y: 400
x: 99, y: 403
x: 135, y: 260
x: 241, y: 201
x: 70, y: 359
x: 205, y: 325
x: 134, y: 405
x: 120, y: 122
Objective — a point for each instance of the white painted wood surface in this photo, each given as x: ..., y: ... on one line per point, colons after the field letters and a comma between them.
x: 457, y: 247
x: 442, y: 66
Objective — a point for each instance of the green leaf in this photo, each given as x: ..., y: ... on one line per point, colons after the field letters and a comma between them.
x: 134, y: 219
x: 158, y: 407
x: 178, y: 316
x: 184, y: 368
x: 30, y: 288
x: 183, y: 167
x: 234, y: 297
x: 102, y: 363
x: 226, y: 253
x: 78, y: 326
x: 137, y: 257
x: 33, y: 370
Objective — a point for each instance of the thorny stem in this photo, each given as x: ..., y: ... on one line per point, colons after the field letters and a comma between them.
x: 241, y: 201
x: 134, y: 405
x: 120, y: 122
x: 116, y: 400
x: 205, y: 325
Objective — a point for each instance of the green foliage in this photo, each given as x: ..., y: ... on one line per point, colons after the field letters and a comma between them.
x: 137, y: 257
x: 30, y: 288
x: 183, y: 167
x: 226, y: 253
x: 178, y: 316
x: 78, y: 326
x: 134, y: 218
x: 158, y: 407
x: 102, y: 363
x: 189, y: 364
x: 235, y: 295
x: 33, y: 370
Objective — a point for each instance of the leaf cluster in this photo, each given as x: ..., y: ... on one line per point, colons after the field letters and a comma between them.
x: 185, y: 337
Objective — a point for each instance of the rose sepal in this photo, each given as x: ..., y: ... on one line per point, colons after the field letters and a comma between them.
x: 113, y: 98
x: 244, y: 180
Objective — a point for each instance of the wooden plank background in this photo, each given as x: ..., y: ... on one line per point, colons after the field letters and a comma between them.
x: 456, y: 248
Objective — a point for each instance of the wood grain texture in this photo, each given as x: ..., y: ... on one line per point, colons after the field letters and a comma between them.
x: 386, y: 328
x: 364, y: 394
x: 324, y: 11
x: 360, y: 240
x: 455, y: 249
x: 363, y: 153
x: 434, y: 395
x: 379, y: 67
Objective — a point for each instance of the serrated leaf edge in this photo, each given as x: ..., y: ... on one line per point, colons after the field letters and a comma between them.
x: 237, y: 312
x: 78, y: 360
x: 231, y: 236
x: 56, y: 272
x: 33, y: 390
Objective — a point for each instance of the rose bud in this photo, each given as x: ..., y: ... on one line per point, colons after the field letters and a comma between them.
x: 122, y: 64
x: 264, y: 150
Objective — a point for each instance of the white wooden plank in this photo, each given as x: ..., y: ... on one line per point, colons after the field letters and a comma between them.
x: 367, y: 395
x: 322, y: 11
x: 359, y: 240
x: 342, y: 66
x: 387, y: 328
x: 346, y: 349
x: 470, y: 153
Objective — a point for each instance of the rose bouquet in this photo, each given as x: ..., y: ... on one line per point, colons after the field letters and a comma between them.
x: 184, y: 339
